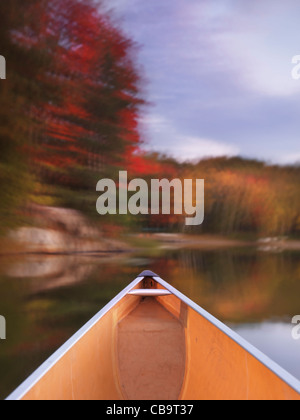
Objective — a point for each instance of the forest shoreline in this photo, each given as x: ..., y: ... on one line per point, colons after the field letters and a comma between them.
x: 135, y: 243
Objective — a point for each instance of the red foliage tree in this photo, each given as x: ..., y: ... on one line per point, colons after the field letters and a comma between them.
x: 88, y: 117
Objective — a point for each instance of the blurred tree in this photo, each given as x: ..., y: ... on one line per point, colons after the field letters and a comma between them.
x: 92, y: 127
x: 248, y: 196
x: 20, y: 93
x: 69, y: 107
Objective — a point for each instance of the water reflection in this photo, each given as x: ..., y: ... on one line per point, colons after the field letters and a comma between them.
x: 274, y: 339
x: 60, y: 270
x: 236, y: 285
x: 46, y: 299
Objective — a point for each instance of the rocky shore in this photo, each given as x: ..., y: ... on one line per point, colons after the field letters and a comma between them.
x: 66, y: 231
x: 62, y: 231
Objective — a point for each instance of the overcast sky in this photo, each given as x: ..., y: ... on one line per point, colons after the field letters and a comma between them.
x: 218, y: 76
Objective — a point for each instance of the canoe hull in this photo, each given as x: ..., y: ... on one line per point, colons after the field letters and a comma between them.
x: 178, y: 352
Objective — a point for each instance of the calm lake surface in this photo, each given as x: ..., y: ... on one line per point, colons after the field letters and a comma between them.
x: 46, y: 299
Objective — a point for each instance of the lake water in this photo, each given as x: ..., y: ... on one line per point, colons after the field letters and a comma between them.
x: 45, y: 299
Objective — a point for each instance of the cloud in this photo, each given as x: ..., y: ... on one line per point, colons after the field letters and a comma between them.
x: 193, y: 148
x: 259, y: 67
x: 288, y: 159
x: 249, y: 43
x: 258, y: 47
x: 172, y: 142
x: 219, y: 75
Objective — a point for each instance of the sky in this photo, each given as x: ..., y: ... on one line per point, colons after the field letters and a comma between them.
x: 218, y: 76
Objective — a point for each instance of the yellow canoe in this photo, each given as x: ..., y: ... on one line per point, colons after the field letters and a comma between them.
x: 153, y: 343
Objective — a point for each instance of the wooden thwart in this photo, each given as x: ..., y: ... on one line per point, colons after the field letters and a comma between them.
x: 150, y: 292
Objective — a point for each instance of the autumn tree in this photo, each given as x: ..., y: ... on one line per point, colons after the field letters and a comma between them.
x: 92, y: 127
x: 20, y: 93
x: 70, y: 105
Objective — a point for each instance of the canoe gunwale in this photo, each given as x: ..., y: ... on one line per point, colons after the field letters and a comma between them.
x: 36, y: 376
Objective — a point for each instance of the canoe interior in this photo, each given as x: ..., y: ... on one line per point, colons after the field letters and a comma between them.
x: 157, y: 348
